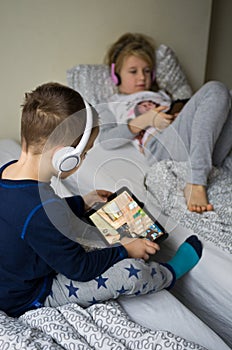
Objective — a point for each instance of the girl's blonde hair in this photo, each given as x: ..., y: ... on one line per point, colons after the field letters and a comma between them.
x: 131, y: 44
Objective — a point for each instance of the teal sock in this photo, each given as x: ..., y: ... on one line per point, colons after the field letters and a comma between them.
x: 186, y: 257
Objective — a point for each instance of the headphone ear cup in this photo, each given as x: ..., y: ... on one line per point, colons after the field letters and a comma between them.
x: 65, y: 160
x: 153, y: 75
x: 119, y: 79
x: 68, y: 158
x: 115, y: 76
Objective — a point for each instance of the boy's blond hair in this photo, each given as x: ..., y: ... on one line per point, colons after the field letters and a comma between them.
x: 53, y: 114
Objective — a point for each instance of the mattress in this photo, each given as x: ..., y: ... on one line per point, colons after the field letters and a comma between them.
x: 207, y: 289
x: 166, y: 320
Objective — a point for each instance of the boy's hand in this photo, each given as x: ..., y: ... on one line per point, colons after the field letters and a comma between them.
x: 140, y: 248
x: 95, y: 196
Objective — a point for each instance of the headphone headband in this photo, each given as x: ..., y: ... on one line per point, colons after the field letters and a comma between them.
x: 68, y: 158
x: 88, y: 128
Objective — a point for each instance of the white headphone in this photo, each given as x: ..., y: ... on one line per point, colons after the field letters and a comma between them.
x: 68, y: 158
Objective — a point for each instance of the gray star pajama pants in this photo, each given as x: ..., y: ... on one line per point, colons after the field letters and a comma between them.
x: 129, y: 277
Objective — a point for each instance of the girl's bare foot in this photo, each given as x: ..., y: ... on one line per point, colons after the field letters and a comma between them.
x: 196, y: 198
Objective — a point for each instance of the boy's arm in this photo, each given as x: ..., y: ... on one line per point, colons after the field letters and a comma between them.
x: 47, y: 233
x: 64, y: 255
x: 80, y: 204
x: 77, y: 204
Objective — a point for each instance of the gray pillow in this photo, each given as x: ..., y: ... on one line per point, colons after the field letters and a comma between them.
x: 94, y: 83
x: 169, y: 74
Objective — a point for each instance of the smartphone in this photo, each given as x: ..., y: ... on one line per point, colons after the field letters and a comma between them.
x: 176, y: 106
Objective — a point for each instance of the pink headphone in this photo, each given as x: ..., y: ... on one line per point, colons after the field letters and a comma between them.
x: 114, y: 76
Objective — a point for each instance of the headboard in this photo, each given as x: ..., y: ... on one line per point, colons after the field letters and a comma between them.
x: 94, y: 83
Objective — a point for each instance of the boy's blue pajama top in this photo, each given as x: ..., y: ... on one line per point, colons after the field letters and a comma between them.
x: 33, y: 249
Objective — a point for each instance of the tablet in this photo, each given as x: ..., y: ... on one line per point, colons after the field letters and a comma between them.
x: 125, y: 216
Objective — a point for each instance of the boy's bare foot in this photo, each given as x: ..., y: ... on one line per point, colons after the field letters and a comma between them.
x: 196, y: 198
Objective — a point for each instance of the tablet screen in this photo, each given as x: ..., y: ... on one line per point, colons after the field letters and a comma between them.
x: 123, y: 216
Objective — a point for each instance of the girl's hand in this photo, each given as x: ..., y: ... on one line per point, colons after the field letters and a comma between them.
x: 140, y: 248
x: 162, y: 120
x: 154, y: 117
x: 95, y: 197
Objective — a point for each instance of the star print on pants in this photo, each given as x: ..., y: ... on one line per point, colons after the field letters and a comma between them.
x: 133, y: 271
x: 122, y: 290
x: 153, y: 272
x: 101, y: 282
x: 93, y: 301
x: 145, y: 285
x: 72, y: 290
x: 137, y: 293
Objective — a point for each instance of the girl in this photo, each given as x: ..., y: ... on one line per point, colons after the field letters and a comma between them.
x: 201, y: 135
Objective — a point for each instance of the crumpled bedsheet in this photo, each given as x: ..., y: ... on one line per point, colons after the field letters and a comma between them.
x: 101, y: 326
x: 165, y: 184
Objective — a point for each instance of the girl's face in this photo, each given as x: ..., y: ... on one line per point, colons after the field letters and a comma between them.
x: 135, y: 75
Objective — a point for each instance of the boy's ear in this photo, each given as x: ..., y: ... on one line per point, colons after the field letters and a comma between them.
x: 23, y: 145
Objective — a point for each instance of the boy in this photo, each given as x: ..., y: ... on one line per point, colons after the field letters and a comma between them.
x: 42, y: 260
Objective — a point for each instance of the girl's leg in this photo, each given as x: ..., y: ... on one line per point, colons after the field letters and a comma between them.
x: 199, y: 134
x: 210, y: 131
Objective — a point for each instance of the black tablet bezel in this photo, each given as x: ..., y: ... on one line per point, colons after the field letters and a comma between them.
x: 99, y: 205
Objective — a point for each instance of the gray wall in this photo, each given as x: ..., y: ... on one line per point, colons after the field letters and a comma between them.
x: 219, y: 59
x: 41, y: 39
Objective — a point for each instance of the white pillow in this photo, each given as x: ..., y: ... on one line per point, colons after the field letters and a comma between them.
x: 94, y: 83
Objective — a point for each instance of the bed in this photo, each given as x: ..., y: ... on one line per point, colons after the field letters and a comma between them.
x: 207, y: 290
x: 155, y: 321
